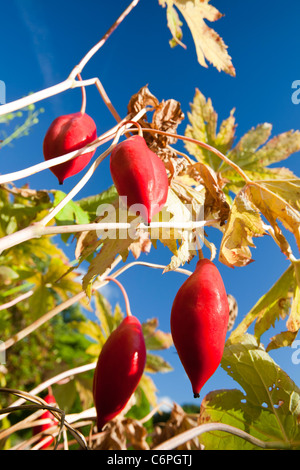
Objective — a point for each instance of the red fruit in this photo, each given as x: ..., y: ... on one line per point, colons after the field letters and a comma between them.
x: 66, y: 134
x: 199, y: 321
x: 119, y: 369
x: 140, y: 176
x: 47, y: 415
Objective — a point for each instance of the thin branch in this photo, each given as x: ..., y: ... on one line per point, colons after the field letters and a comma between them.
x: 16, y: 300
x: 104, y: 138
x: 127, y: 303
x: 70, y: 82
x: 205, y: 146
x: 186, y: 436
x: 52, y: 313
x: 150, y: 265
x: 95, y: 49
x: 53, y: 380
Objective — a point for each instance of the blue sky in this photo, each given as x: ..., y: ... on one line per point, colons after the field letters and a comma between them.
x: 43, y: 41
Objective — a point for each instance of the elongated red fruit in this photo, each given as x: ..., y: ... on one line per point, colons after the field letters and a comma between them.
x: 140, y: 176
x: 119, y: 369
x: 50, y: 399
x: 199, y: 321
x: 66, y: 134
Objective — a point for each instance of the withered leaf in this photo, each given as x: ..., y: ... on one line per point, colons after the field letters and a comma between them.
x: 283, y: 339
x: 141, y: 245
x: 215, y: 201
x: 142, y: 99
x: 166, y: 117
x: 243, y: 224
x: 178, y: 422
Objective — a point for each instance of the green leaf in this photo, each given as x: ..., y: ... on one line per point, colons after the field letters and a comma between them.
x: 271, y: 306
x: 281, y: 340
x: 91, y: 204
x: 71, y: 213
x: 155, y: 339
x: 157, y: 364
x: 269, y: 409
x: 203, y: 127
x: 254, y: 157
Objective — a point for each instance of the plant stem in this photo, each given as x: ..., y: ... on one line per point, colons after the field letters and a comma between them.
x: 92, y: 52
x: 17, y: 300
x: 52, y: 313
x: 207, y: 147
x: 70, y: 82
x: 127, y: 303
x: 38, y: 230
x: 209, y: 427
x: 83, y: 92
x: 53, y: 380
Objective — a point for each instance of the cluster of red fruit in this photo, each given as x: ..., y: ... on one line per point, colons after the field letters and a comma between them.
x: 200, y: 312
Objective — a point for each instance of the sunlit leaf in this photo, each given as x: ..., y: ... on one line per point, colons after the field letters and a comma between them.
x: 203, y: 127
x: 271, y: 306
x: 275, y: 209
x: 268, y: 408
x: 209, y: 45
x: 243, y: 225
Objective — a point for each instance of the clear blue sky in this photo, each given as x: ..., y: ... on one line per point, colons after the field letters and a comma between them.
x: 42, y: 41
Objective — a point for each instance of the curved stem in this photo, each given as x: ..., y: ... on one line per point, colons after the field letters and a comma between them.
x: 53, y: 380
x: 83, y: 93
x: 205, y: 146
x: 102, y: 41
x: 150, y: 265
x: 198, y: 430
x: 127, y: 304
x: 15, y: 301
x: 70, y: 82
x: 52, y: 313
x: 104, y: 138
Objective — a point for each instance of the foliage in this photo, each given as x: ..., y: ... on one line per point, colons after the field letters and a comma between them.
x: 19, y: 130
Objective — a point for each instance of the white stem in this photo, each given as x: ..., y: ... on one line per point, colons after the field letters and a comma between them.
x: 95, y: 49
x: 38, y: 230
x: 186, y: 436
x: 38, y: 96
x: 34, y: 231
x: 17, y: 300
x: 104, y: 138
x: 70, y: 82
x: 77, y: 187
x: 59, y: 308
x: 53, y: 380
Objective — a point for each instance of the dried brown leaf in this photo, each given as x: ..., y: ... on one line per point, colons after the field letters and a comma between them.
x: 141, y: 245
x: 178, y: 422
x: 215, y: 201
